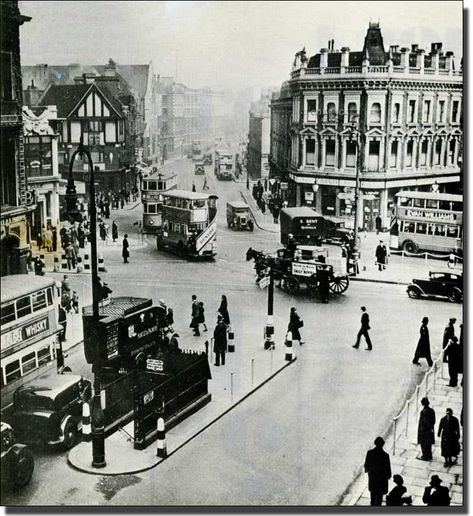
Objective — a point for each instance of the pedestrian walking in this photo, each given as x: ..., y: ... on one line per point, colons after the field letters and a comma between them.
x: 436, y: 495
x: 425, y: 430
x: 454, y: 357
x: 114, y: 231
x: 193, y: 187
x: 122, y: 202
x: 223, y: 310
x: 379, y: 224
x: 75, y: 301
x: 48, y: 240
x: 397, y: 496
x: 38, y: 266
x: 102, y: 231
x: 62, y: 320
x: 39, y: 240
x: 295, y: 323
x: 449, y: 433
x: 125, y: 246
x: 378, y: 467
x: 70, y: 257
x: 365, y: 326
x: 381, y: 253
x: 220, y: 341
x: 323, y: 277
x: 170, y: 319
x: 206, y: 186
x: 202, y: 315
x: 448, y: 333
x: 423, y: 346
x: 195, y: 311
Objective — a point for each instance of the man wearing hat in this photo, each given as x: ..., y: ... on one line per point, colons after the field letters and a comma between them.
x: 448, y: 333
x: 381, y: 253
x: 423, y: 346
x: 436, y: 495
x: 220, y: 341
x: 174, y: 343
x: 378, y: 467
x: 425, y: 431
x: 291, y: 246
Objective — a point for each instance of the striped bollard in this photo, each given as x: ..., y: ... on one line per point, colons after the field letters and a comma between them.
x: 161, y: 452
x: 56, y: 263
x: 288, y: 344
x: 63, y: 261
x: 101, y: 264
x: 231, y: 340
x: 87, y: 262
x: 86, y: 424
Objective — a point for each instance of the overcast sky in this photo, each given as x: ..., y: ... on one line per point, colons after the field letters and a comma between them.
x: 233, y: 44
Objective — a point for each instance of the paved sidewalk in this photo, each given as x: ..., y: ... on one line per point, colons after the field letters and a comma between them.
x: 403, y: 455
x: 262, y: 220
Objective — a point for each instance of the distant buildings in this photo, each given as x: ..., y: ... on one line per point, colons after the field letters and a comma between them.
x: 16, y: 203
x: 406, y: 106
x: 259, y: 137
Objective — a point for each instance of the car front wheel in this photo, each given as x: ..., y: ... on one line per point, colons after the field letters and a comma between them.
x: 22, y: 470
x: 413, y: 293
x: 454, y: 296
x: 70, y: 434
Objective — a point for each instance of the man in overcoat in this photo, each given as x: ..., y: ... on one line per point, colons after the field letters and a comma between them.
x: 381, y: 253
x: 448, y: 333
x: 125, y: 246
x: 378, y: 467
x: 423, y: 346
x: 220, y: 341
x: 425, y: 431
x: 454, y: 357
x: 365, y: 326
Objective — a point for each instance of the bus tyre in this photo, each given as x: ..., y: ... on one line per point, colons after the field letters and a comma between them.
x: 70, y: 433
x: 181, y: 249
x: 454, y: 296
x: 22, y: 468
x: 410, y: 247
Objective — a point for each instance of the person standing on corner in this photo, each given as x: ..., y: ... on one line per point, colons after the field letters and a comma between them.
x: 223, y: 310
x: 378, y: 467
x: 195, y: 316
x: 220, y: 341
x: 454, y: 358
x: 425, y: 431
x: 379, y: 224
x: 114, y: 231
x: 365, y: 326
x: 125, y: 246
x: 381, y: 253
x: 449, y: 433
x: 423, y: 346
x: 295, y: 322
x: 448, y: 333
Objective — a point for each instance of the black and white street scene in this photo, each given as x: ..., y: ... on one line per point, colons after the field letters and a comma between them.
x: 232, y: 242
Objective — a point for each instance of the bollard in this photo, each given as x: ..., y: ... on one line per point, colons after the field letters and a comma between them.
x: 101, y: 264
x: 288, y: 344
x: 231, y: 342
x: 161, y: 452
x: 87, y: 263
x: 252, y: 371
x: 86, y: 426
x: 63, y: 261
x: 56, y: 263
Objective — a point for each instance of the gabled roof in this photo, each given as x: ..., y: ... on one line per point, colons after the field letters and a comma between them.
x: 66, y: 97
x: 135, y: 75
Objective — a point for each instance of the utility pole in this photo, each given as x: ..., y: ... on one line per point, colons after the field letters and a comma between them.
x: 269, y: 328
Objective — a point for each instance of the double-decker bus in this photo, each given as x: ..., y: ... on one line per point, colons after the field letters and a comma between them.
x: 152, y: 188
x: 427, y: 221
x: 29, y: 330
x: 189, y: 224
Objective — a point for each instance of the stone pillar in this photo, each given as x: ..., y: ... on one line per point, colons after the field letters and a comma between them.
x: 322, y: 144
x: 415, y: 153
x: 304, y: 142
x: 449, y: 62
x: 382, y: 165
x: 383, y: 207
x: 457, y: 148
x: 361, y: 211
x: 344, y: 154
x: 323, y: 59
x: 435, y: 61
x: 344, y: 59
x: 443, y: 152
x: 405, y: 58
x: 366, y: 156
x: 318, y: 200
x: 337, y: 148
x: 420, y: 60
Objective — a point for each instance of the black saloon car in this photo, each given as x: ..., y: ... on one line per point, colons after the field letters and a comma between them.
x: 49, y: 409
x: 17, y: 463
x: 439, y: 284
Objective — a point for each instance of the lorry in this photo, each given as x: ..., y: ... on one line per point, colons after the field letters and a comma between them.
x: 310, y: 227
x: 239, y: 216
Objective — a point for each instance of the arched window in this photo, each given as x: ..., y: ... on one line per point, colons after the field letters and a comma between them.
x: 352, y: 114
x: 375, y: 114
x: 331, y: 112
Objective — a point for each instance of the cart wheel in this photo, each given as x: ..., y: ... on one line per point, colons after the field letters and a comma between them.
x: 312, y: 285
x: 291, y: 285
x: 339, y: 284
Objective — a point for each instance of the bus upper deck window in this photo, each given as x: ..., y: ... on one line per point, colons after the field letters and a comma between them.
x: 23, y: 306
x: 160, y: 185
x: 419, y: 203
x: 8, y: 313
x: 457, y: 206
x: 439, y: 230
x: 432, y: 203
x: 404, y: 201
x: 50, y: 296
x: 452, y: 231
x: 421, y: 228
x: 39, y: 300
x: 199, y: 203
x: 152, y: 185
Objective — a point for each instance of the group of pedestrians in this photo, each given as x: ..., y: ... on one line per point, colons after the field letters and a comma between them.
x: 46, y: 239
x: 222, y: 327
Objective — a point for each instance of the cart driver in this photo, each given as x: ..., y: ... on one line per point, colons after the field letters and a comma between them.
x: 291, y: 246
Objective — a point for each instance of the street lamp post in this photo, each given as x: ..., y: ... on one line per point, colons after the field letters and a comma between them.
x: 269, y: 328
x: 97, y: 416
x: 359, y: 135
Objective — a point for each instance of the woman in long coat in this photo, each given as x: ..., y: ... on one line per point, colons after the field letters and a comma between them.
x: 449, y: 432
x: 114, y: 231
x: 294, y: 324
x: 423, y: 346
x: 223, y: 310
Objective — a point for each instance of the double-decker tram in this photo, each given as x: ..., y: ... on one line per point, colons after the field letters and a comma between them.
x: 152, y: 189
x: 427, y: 221
x: 29, y: 330
x: 189, y: 225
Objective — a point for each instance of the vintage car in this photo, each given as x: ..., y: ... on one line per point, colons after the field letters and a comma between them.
x: 239, y: 216
x: 199, y: 168
x: 49, y: 409
x: 17, y: 462
x: 439, y: 284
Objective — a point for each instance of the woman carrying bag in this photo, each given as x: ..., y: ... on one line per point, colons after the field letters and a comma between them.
x: 295, y: 323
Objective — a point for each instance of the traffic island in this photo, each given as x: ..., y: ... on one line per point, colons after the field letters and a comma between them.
x: 121, y: 456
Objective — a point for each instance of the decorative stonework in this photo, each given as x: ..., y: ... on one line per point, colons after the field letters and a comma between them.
x: 38, y: 124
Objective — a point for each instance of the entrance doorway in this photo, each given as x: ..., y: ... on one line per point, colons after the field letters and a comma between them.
x: 11, y: 260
